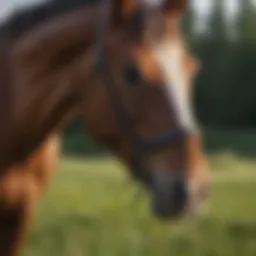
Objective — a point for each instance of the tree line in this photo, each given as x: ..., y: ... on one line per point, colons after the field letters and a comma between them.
x: 225, y: 94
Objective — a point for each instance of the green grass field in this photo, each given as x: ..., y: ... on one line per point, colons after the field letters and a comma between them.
x: 91, y: 209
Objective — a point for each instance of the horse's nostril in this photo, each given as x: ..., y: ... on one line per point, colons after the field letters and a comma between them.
x: 179, y: 192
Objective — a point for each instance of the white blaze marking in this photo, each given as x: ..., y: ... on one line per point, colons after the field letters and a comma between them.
x: 169, y: 58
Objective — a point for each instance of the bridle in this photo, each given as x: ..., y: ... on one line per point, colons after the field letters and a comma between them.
x: 141, y: 148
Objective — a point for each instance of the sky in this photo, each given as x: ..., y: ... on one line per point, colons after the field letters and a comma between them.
x: 203, y: 6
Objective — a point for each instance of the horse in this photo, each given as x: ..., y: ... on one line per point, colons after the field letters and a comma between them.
x: 128, y: 74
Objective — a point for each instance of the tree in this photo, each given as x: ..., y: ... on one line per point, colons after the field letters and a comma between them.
x: 188, y: 24
x: 245, y: 25
x: 244, y: 76
x: 214, y: 51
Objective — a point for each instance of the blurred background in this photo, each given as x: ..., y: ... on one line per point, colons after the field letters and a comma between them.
x: 92, y: 208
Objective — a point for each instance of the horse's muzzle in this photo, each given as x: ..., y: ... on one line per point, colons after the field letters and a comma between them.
x: 169, y: 195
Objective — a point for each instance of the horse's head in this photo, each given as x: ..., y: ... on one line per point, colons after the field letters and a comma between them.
x: 140, y: 104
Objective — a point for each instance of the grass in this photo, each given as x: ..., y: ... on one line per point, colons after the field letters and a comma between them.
x: 91, y: 209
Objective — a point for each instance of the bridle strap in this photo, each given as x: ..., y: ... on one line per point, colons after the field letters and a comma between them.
x: 124, y: 119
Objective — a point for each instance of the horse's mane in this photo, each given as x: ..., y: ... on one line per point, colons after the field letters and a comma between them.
x: 23, y: 19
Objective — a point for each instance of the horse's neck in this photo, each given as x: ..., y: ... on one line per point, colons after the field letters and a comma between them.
x: 50, y: 77
x: 7, y: 92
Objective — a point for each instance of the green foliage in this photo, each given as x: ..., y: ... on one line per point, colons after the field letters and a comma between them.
x: 78, y: 142
x: 226, y: 91
x: 188, y: 24
x: 242, y: 142
x: 246, y: 22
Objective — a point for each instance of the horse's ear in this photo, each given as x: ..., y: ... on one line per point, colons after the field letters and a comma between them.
x: 177, y: 7
x: 121, y: 9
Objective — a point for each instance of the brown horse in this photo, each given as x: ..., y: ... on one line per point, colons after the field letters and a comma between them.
x: 123, y: 66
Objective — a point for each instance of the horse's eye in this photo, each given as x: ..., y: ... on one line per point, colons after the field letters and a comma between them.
x: 132, y: 75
